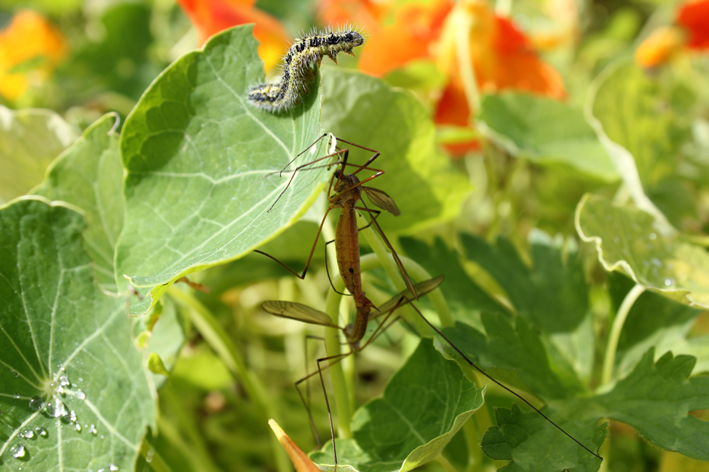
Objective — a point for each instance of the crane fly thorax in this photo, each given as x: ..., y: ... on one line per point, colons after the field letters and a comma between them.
x: 351, y: 192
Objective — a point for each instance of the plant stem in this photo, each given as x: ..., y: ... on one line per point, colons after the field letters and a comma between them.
x: 212, y: 332
x: 337, y: 376
x: 617, y: 327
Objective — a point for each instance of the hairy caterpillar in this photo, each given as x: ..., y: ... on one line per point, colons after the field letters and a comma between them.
x: 306, y: 52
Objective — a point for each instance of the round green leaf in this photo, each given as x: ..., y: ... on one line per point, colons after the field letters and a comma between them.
x: 199, y: 162
x: 73, y: 391
x: 88, y: 175
x: 29, y: 141
x: 628, y: 240
x: 513, y: 119
x: 424, y: 405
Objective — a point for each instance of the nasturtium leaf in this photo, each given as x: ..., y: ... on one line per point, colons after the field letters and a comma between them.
x: 423, y: 406
x: 29, y: 141
x: 199, y: 159
x: 366, y: 111
x: 628, y: 240
x: 73, y: 390
x: 642, y: 122
x: 89, y: 176
x: 513, y: 119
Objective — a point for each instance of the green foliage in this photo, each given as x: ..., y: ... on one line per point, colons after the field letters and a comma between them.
x: 426, y: 402
x: 192, y: 120
x: 74, y: 392
x: 607, y: 339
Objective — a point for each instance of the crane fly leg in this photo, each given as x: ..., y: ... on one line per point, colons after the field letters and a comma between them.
x: 310, y: 256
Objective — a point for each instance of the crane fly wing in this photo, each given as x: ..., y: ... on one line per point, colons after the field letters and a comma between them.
x: 381, y: 199
x: 399, y: 264
x: 298, y: 312
x: 402, y: 298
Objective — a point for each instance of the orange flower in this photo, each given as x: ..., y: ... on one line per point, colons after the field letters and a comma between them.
x: 690, y: 32
x: 30, y: 49
x: 367, y: 14
x: 213, y: 16
x: 301, y: 461
x: 494, y: 52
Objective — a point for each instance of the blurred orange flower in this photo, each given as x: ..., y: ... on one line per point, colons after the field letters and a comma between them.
x: 477, y: 49
x: 213, y: 16
x: 690, y: 32
x: 30, y: 49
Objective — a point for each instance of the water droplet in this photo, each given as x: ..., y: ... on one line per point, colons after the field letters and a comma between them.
x: 652, y: 236
x: 669, y: 282
x: 27, y: 434
x: 18, y: 452
x: 41, y: 431
x: 113, y: 468
x: 56, y: 408
x: 17, y: 396
x: 15, y: 374
x: 64, y: 381
x: 36, y: 403
x: 149, y: 455
x: 72, y: 416
x: 80, y: 395
x: 93, y: 430
x: 77, y: 428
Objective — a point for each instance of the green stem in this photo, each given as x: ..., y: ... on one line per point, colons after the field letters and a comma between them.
x: 214, y: 334
x: 445, y: 463
x: 473, y: 437
x: 337, y: 375
x: 617, y: 327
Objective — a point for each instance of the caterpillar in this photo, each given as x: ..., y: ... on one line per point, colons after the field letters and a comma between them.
x: 306, y: 52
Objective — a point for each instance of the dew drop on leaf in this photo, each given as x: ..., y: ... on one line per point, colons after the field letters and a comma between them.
x: 41, y: 431
x: 14, y: 373
x: 64, y: 381
x: 27, y: 434
x: 77, y: 428
x: 93, y: 430
x: 669, y: 282
x: 113, y: 468
x: 36, y: 403
x: 72, y: 416
x: 56, y: 408
x: 18, y: 452
x: 80, y: 395
x: 17, y: 396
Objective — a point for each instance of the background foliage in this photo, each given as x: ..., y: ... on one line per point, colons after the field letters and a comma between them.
x: 550, y: 158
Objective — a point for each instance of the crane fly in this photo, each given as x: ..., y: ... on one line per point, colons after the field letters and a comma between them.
x: 347, y: 194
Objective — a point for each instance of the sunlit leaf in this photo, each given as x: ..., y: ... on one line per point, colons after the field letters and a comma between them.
x: 74, y: 390
x: 400, y: 128
x: 513, y: 119
x: 89, y: 176
x: 627, y: 239
x: 29, y: 141
x: 424, y: 405
x: 199, y: 160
